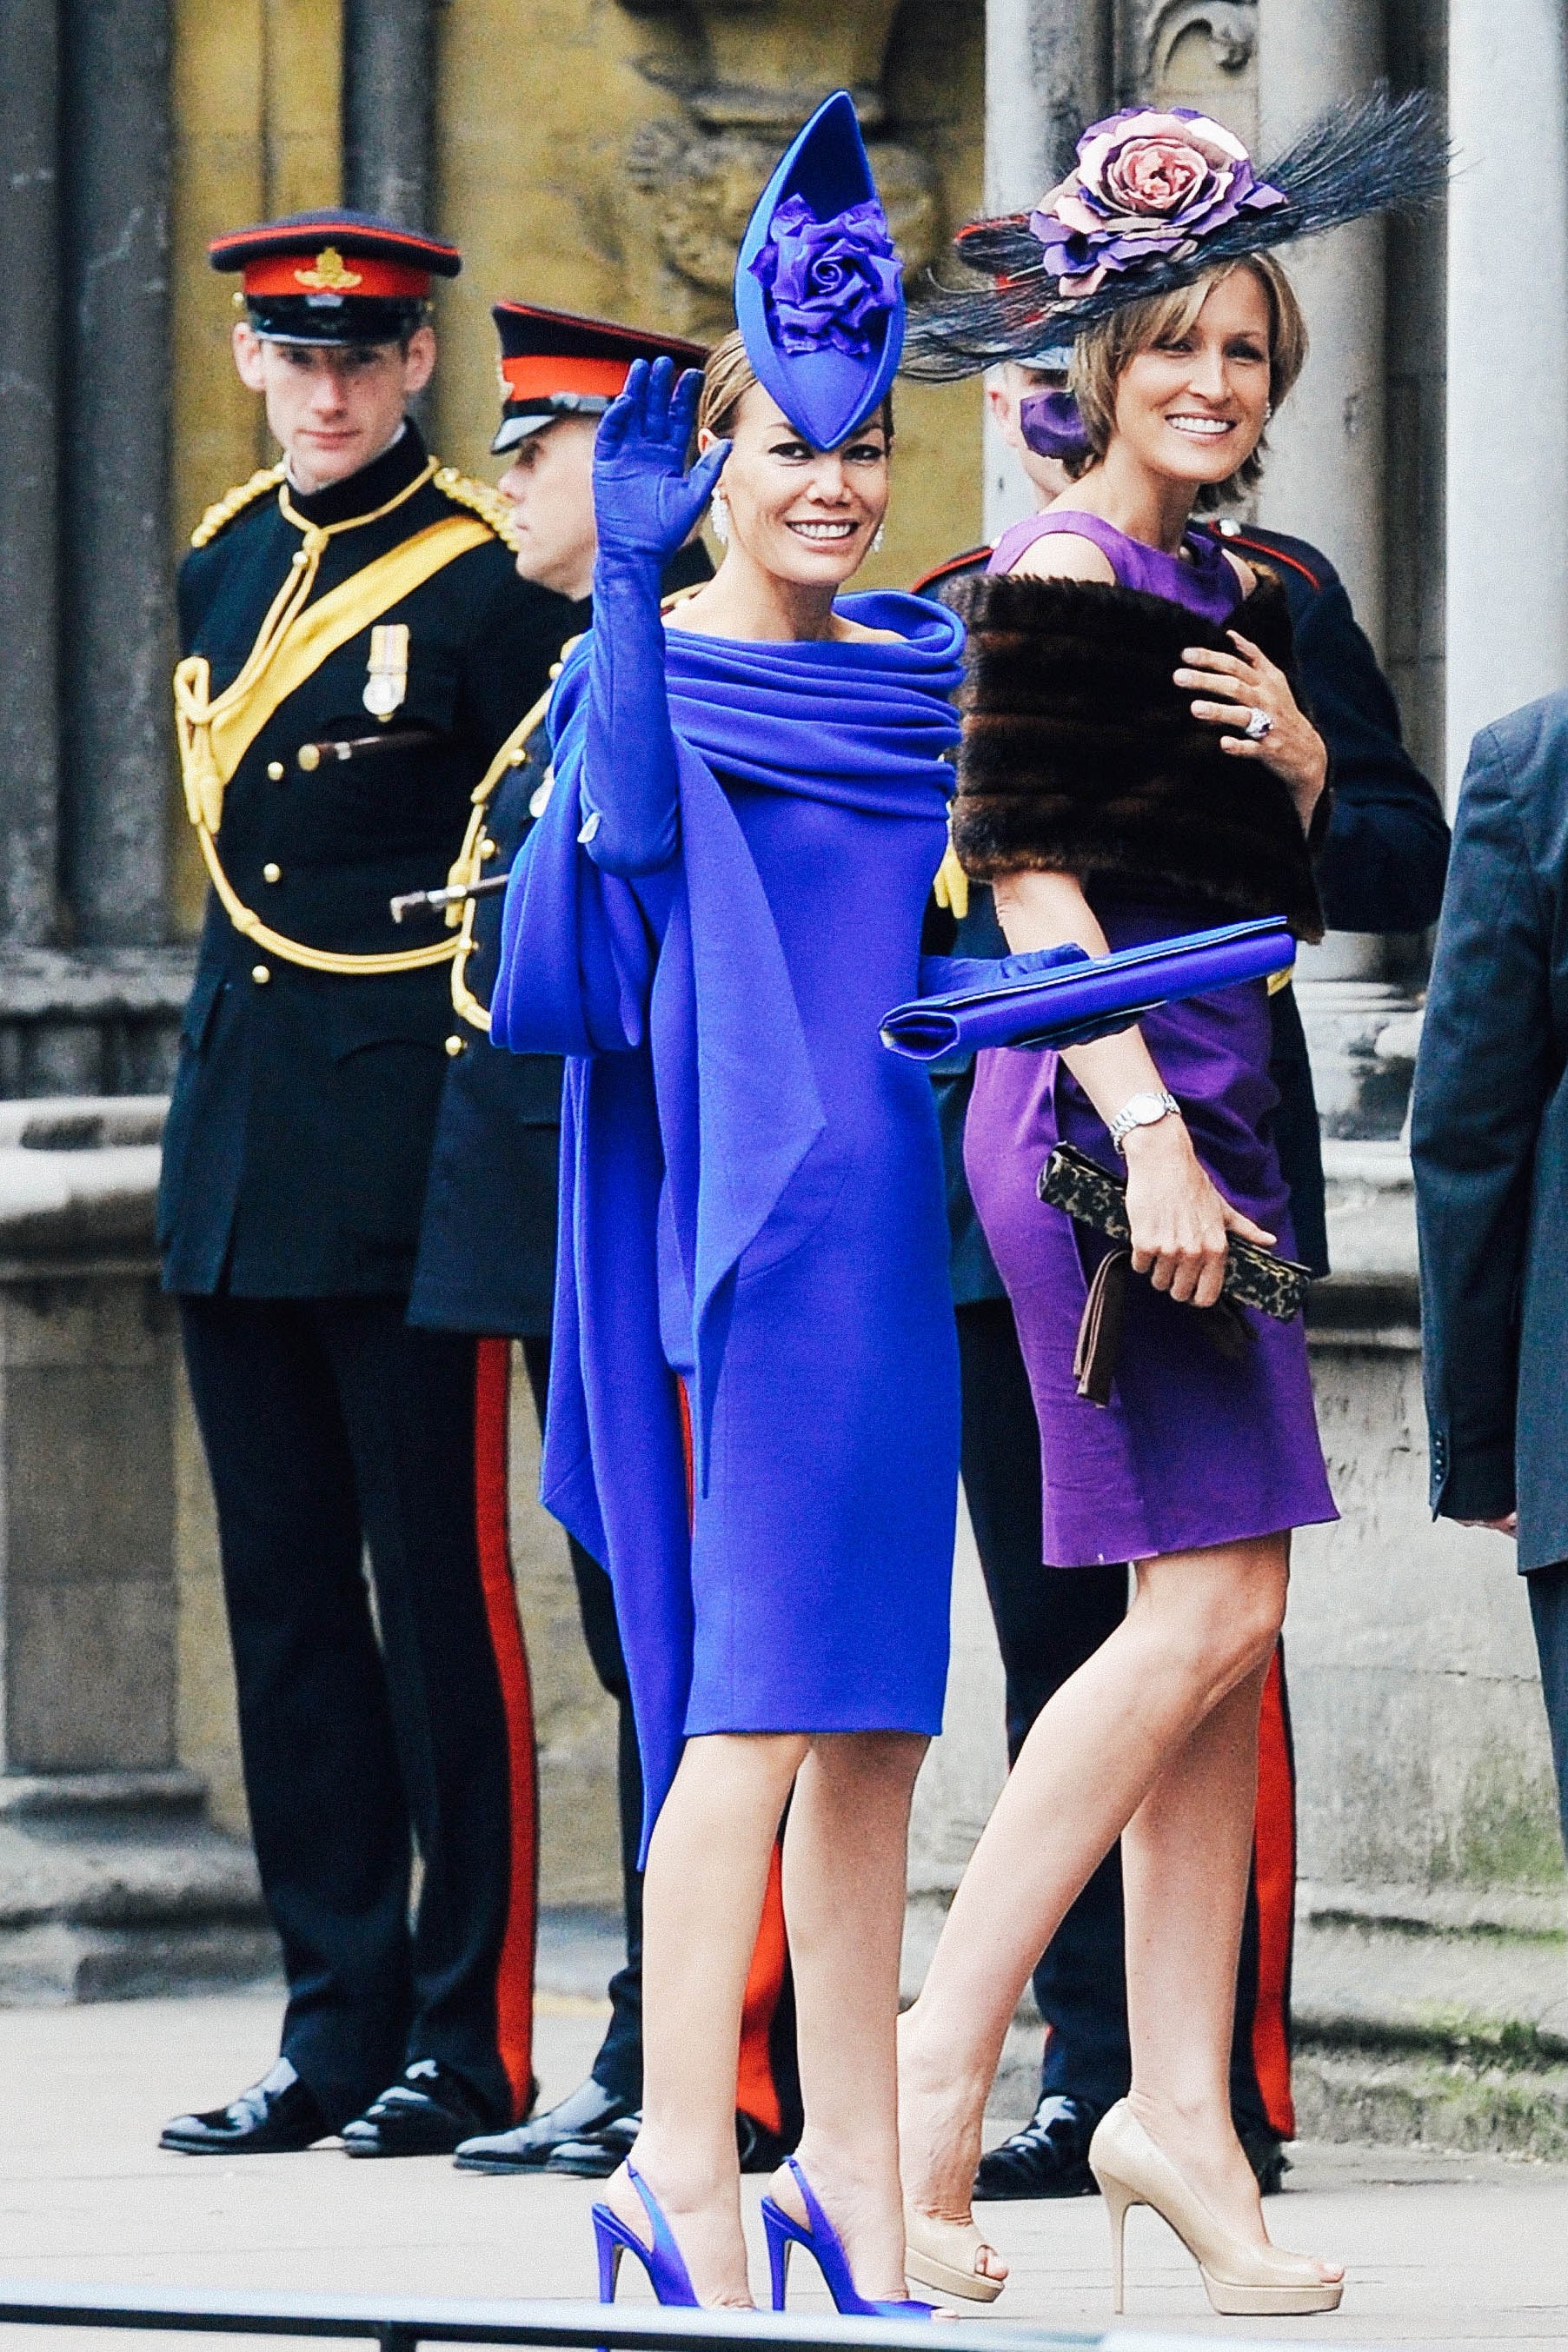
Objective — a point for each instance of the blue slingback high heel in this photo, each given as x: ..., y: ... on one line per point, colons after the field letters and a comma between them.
x: 663, y: 2261
x: 825, y: 2247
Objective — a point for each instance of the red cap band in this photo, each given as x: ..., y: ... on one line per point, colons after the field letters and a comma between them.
x: 331, y: 272
x: 533, y: 377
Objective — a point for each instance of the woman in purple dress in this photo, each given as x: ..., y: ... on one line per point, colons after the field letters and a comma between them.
x: 1136, y: 765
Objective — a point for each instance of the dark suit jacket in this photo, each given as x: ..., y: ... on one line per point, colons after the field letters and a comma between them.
x: 304, y: 1104
x: 1380, y: 869
x: 1490, y: 1141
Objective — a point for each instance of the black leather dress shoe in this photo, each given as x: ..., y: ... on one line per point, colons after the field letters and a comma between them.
x: 428, y: 2111
x: 594, y: 2156
x: 1265, y: 2151
x: 277, y: 2114
x: 528, y: 2148
x: 1050, y: 2158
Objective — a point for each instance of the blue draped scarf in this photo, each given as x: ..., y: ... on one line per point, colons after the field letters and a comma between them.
x: 686, y: 1058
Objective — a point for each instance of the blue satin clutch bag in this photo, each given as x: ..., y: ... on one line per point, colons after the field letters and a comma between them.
x: 1083, y: 997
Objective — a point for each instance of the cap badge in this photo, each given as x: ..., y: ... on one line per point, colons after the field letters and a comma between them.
x: 329, y: 274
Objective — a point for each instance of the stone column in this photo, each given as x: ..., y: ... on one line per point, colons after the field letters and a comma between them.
x: 1325, y: 477
x: 1326, y: 481
x: 110, y: 1880
x: 1047, y: 73
x: 389, y: 87
x: 117, y: 645
x: 1508, y: 363
x: 29, y: 423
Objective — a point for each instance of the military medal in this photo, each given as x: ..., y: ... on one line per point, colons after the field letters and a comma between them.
x: 388, y: 682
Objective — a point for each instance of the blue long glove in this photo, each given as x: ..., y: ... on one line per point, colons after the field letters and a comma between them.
x: 646, y: 504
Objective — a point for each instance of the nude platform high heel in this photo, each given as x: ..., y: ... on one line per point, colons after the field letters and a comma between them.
x: 941, y: 2254
x: 1242, y: 2281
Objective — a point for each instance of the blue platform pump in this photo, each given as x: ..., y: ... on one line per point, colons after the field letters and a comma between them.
x: 663, y: 2261
x: 823, y: 2243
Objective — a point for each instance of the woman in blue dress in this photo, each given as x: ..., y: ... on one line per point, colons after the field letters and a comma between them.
x: 754, y: 1415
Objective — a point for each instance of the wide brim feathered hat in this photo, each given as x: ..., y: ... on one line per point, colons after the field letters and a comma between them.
x: 1157, y: 198
x: 819, y: 294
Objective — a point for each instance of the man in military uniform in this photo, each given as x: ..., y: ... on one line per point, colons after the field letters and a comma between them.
x: 487, y: 1250
x: 356, y: 647
x: 1381, y: 868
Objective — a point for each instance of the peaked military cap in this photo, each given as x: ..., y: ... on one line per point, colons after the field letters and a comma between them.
x: 553, y: 364
x: 334, y: 277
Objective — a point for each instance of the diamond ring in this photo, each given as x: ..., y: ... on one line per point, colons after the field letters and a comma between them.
x: 1257, y: 727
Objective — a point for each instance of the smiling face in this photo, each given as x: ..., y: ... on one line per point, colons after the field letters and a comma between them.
x: 333, y: 407
x: 805, y: 515
x: 550, y: 487
x: 1192, y: 405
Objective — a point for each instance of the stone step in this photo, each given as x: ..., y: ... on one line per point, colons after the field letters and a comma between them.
x: 114, y: 1885
x: 1454, y: 2103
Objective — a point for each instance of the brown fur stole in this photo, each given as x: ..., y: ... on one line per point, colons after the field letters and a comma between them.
x: 1080, y: 756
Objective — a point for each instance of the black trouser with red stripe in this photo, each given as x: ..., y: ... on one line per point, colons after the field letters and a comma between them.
x: 332, y: 1432
x: 1048, y: 1621
x: 619, y: 2066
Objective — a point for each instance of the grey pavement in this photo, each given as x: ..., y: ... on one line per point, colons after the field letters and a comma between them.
x: 1451, y: 2252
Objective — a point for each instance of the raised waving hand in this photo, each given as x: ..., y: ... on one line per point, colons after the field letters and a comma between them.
x: 646, y: 502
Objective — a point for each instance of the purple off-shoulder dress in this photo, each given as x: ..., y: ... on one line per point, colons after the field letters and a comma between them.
x: 1193, y: 1448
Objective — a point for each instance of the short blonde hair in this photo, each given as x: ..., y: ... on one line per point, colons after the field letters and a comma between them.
x: 1103, y: 353
x: 729, y: 377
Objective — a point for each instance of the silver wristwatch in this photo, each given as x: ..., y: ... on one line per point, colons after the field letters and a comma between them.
x: 1143, y: 1110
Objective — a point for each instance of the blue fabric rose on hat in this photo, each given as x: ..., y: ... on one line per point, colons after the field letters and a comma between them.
x: 826, y: 281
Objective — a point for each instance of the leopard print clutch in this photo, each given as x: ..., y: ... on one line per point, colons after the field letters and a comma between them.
x: 1089, y: 1193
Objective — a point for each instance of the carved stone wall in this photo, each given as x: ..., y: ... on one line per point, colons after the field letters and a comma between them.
x: 1200, y: 53
x: 620, y: 179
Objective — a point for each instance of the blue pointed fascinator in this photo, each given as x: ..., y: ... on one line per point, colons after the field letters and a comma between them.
x: 818, y: 287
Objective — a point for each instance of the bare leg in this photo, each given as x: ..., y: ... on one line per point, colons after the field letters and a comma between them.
x: 1200, y: 1623
x: 703, y: 1901
x: 1184, y: 1858
x: 844, y: 1878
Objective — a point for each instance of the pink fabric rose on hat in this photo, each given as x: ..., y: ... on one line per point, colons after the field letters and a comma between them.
x: 1148, y: 186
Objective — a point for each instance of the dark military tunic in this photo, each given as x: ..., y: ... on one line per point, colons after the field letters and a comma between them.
x: 304, y: 1106
x: 487, y: 1245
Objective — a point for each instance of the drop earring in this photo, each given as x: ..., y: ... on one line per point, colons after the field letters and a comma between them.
x: 878, y: 540
x: 1268, y: 412
x: 718, y: 515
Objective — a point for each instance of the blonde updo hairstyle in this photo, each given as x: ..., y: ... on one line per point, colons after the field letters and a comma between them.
x: 729, y: 377
x: 1102, y: 354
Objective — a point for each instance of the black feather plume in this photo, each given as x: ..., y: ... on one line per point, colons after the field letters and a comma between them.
x: 1382, y: 154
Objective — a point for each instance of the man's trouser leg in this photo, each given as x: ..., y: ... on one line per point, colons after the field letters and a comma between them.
x: 1048, y: 1621
x: 327, y: 1811
x: 326, y: 1421
x: 1548, y: 1610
